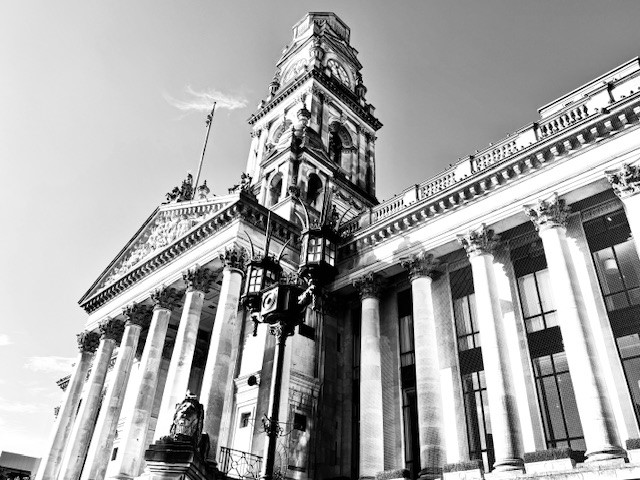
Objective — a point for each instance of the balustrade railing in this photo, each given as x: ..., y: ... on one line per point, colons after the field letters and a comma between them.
x: 238, y: 464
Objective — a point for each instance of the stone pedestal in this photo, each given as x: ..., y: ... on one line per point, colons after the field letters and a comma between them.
x: 176, y: 461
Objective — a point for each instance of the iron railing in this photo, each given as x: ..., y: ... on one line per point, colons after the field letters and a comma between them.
x: 239, y: 464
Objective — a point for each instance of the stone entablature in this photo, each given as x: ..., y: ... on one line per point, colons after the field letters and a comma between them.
x: 461, y: 185
x: 238, y: 206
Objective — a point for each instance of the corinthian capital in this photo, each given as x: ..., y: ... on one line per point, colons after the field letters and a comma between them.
x: 481, y: 241
x: 165, y: 297
x: 234, y: 257
x: 88, y: 341
x: 198, y: 278
x: 368, y: 286
x: 111, y: 329
x: 422, y: 264
x: 137, y: 314
x: 625, y: 180
x: 550, y: 213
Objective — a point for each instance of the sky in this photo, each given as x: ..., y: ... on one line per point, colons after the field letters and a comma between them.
x: 93, y: 130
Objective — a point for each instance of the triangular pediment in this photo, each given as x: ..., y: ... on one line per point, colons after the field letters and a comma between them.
x: 167, y: 225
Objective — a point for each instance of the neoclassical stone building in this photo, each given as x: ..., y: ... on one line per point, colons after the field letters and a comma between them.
x: 486, y: 313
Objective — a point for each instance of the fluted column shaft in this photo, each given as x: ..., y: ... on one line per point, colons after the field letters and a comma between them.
x: 99, y: 452
x: 216, y: 371
x: 371, y: 419
x: 503, y: 409
x: 198, y: 281
x: 50, y: 466
x: 83, y: 427
x: 598, y: 426
x: 133, y: 444
x: 422, y: 268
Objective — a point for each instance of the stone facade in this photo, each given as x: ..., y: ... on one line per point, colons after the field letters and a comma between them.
x: 485, y: 313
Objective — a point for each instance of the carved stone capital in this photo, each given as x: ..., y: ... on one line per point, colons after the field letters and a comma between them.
x: 551, y: 213
x: 368, y: 286
x: 235, y: 257
x: 625, y: 181
x: 422, y: 264
x: 88, y: 341
x: 137, y: 314
x: 111, y: 329
x: 481, y: 241
x: 165, y: 297
x: 256, y: 133
x: 198, y: 278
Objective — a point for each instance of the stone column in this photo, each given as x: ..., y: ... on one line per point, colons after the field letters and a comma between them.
x: 216, y: 371
x: 598, y: 425
x: 50, y: 466
x: 198, y: 281
x: 626, y: 184
x: 133, y: 443
x: 503, y: 410
x: 102, y: 441
x: 422, y: 269
x: 371, y: 431
x: 74, y: 457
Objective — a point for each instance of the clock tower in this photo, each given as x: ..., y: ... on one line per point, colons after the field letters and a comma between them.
x: 315, y: 131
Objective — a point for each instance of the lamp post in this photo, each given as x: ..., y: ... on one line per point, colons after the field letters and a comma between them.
x: 280, y: 301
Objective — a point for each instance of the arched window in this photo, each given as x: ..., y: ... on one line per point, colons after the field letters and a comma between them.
x: 275, y: 189
x: 314, y: 187
x: 339, y: 139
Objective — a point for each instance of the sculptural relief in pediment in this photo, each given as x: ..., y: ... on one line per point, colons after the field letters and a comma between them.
x: 164, y: 229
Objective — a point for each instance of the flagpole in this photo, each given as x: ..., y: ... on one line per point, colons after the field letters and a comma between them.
x: 204, y: 148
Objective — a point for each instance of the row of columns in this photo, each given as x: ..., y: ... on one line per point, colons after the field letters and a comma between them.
x: 81, y: 445
x: 550, y: 219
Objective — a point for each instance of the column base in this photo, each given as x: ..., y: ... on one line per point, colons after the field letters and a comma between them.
x: 508, y: 465
x: 430, y: 473
x: 610, y: 452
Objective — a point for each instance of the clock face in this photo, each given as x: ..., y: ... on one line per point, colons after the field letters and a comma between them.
x: 294, y: 70
x: 338, y: 71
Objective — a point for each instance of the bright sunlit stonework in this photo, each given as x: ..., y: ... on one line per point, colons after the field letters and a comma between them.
x: 482, y: 323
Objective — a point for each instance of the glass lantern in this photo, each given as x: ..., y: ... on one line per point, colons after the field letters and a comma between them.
x: 318, y: 254
x: 262, y: 272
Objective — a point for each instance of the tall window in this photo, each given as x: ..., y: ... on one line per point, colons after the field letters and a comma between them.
x: 615, y: 257
x: 275, y: 189
x: 408, y: 384
x: 556, y: 398
x: 471, y: 367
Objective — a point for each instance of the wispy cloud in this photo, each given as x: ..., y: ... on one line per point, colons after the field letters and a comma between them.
x: 5, y: 340
x: 51, y: 364
x: 203, y: 101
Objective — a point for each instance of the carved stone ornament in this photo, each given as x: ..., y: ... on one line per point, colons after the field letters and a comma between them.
x: 137, y: 314
x: 167, y: 228
x: 88, y: 341
x: 625, y: 180
x: 235, y: 257
x: 198, y: 278
x: 243, y: 186
x: 111, y: 329
x: 368, y: 286
x: 187, y: 426
x: 481, y: 241
x: 165, y: 297
x: 203, y: 191
x: 549, y: 213
x: 422, y: 264
x: 184, y: 193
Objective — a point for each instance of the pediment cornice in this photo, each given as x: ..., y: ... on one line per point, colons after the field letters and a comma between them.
x: 172, y: 231
x: 486, y: 172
